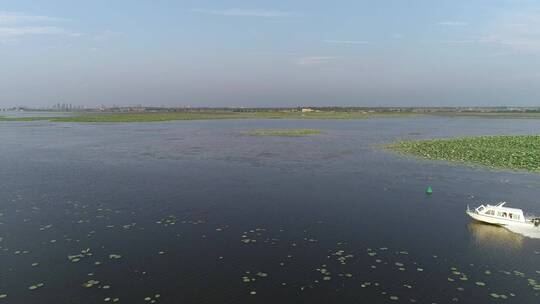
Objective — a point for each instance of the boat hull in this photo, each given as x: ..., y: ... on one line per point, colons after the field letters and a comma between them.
x: 515, y: 221
x: 497, y: 221
x: 491, y: 220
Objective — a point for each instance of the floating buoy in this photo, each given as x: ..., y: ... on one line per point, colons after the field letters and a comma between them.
x: 429, y: 190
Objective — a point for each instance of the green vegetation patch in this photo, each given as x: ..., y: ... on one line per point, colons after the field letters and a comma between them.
x: 145, y: 117
x: 505, y: 152
x: 104, y: 117
x: 284, y: 132
x: 3, y: 118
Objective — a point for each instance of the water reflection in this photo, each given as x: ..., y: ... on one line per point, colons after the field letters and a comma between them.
x: 491, y: 236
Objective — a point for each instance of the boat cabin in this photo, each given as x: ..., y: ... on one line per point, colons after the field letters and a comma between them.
x: 501, y: 212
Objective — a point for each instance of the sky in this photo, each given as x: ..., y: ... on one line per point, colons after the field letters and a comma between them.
x: 275, y: 53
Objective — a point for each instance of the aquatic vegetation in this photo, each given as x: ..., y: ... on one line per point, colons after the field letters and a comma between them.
x: 247, y: 279
x: 77, y: 257
x: 36, y: 286
x: 114, y: 256
x: 45, y: 227
x: 326, y: 275
x: 505, y: 152
x: 342, y: 257
x: 91, y: 283
x: 285, y: 132
x: 152, y: 299
x: 114, y: 300
x: 36, y: 118
x: 371, y: 252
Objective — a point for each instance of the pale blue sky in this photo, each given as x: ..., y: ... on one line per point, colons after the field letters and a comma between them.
x: 270, y: 53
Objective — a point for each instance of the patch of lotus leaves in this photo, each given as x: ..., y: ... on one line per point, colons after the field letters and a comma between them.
x: 510, y: 152
x: 36, y: 286
x: 90, y: 283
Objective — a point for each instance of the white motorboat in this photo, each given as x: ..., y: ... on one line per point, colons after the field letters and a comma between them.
x: 503, y: 216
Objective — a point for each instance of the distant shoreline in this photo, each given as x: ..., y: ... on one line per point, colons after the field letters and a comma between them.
x: 169, y: 114
x: 203, y: 115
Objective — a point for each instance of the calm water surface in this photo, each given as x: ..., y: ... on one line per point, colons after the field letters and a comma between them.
x: 199, y: 212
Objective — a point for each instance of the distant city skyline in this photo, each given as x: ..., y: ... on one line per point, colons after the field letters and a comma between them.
x: 270, y: 53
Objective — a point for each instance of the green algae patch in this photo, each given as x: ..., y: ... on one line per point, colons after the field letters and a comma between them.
x: 284, y: 132
x: 521, y: 152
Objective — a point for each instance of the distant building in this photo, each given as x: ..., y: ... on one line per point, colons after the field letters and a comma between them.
x: 307, y: 110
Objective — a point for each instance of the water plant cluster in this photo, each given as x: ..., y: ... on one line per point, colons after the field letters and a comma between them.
x: 284, y: 132
x: 521, y: 152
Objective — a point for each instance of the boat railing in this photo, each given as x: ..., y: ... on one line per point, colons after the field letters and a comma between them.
x: 529, y: 216
x: 471, y: 210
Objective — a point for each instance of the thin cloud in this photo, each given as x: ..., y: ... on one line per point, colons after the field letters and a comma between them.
x: 310, y: 61
x: 14, y: 25
x: 518, y: 32
x: 347, y: 41
x: 107, y: 35
x: 453, y: 23
x: 525, y: 44
x: 17, y: 18
x: 11, y: 32
x: 240, y: 12
x: 462, y: 41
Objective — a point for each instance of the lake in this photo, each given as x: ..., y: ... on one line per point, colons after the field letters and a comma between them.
x: 200, y: 212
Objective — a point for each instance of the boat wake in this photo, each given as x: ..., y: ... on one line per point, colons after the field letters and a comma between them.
x: 530, y: 232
